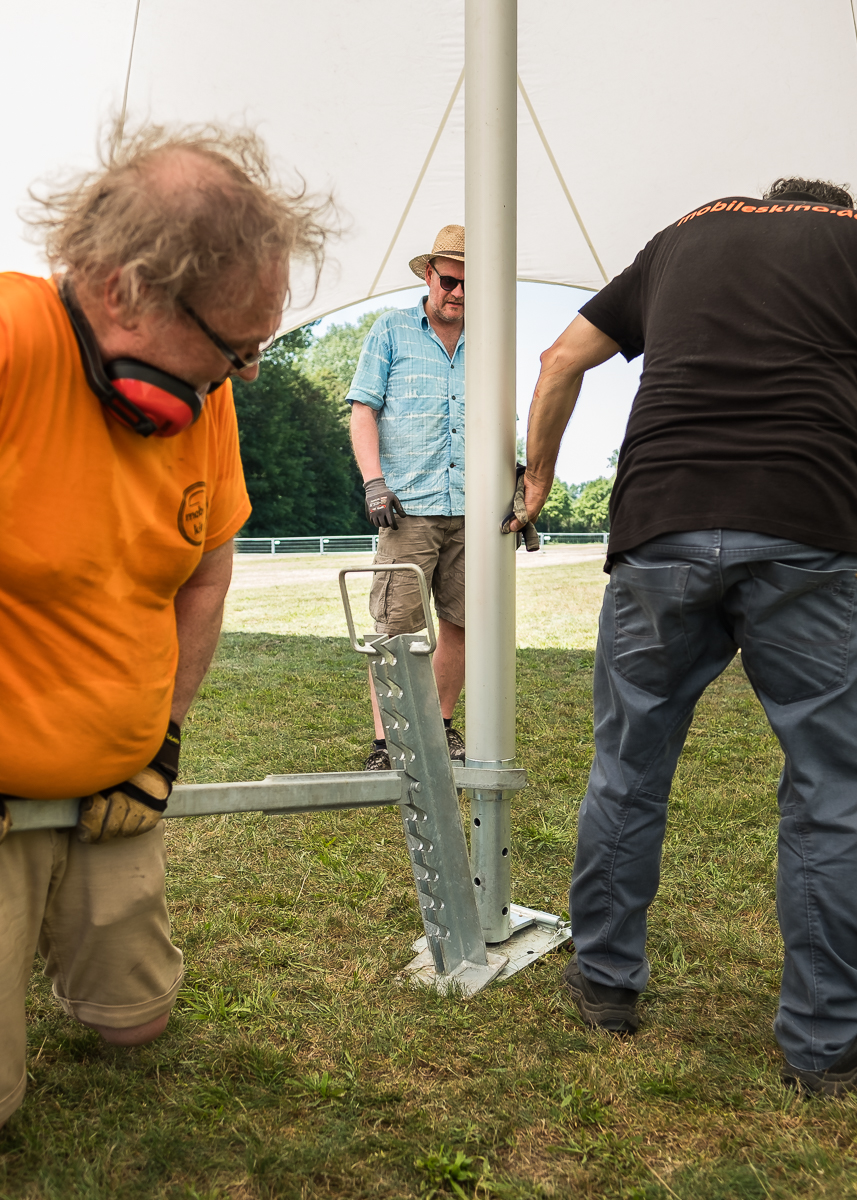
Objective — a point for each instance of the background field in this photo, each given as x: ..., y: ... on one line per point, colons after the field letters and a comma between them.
x: 297, y: 1065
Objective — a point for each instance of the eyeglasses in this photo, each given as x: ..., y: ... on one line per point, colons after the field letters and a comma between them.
x: 239, y: 363
x: 449, y: 283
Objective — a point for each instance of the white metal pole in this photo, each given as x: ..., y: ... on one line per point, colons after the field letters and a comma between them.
x: 490, y: 219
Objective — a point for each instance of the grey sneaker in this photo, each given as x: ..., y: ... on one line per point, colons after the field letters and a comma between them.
x: 613, y: 1009
x: 455, y: 742
x: 832, y: 1081
x: 378, y: 760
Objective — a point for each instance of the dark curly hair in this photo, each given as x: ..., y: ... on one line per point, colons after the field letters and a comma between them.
x: 821, y: 189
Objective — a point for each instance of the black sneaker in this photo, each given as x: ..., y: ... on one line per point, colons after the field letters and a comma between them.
x: 614, y: 1009
x: 455, y: 742
x: 832, y: 1081
x: 378, y: 760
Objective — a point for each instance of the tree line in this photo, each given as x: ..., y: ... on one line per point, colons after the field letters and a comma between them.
x: 295, y: 447
x: 579, y: 507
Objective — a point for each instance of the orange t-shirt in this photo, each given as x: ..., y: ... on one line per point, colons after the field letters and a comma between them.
x: 99, y: 527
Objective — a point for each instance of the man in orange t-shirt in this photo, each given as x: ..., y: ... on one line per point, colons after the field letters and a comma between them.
x: 120, y: 491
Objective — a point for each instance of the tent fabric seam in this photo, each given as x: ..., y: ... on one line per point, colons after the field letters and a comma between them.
x: 560, y: 177
x: 420, y: 178
x: 120, y: 126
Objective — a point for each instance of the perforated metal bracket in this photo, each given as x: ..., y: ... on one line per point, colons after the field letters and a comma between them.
x: 455, y: 956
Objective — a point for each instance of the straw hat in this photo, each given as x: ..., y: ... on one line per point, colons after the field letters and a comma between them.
x: 449, y: 243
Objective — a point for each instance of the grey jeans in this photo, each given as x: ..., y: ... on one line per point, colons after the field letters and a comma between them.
x: 675, y: 612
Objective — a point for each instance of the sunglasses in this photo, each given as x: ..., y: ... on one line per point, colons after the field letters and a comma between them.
x: 449, y: 283
x: 239, y: 363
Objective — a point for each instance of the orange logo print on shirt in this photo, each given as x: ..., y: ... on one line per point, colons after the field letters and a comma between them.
x: 193, y: 512
x: 739, y: 206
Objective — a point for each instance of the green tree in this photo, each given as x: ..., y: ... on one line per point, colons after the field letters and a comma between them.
x: 578, y: 507
x: 331, y: 360
x: 297, y: 458
x: 556, y: 515
x: 591, y: 509
x: 330, y: 363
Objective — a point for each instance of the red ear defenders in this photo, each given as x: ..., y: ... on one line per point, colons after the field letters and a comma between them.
x: 139, y: 396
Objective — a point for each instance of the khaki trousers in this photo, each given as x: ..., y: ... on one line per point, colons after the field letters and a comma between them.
x: 437, y: 545
x: 98, y: 917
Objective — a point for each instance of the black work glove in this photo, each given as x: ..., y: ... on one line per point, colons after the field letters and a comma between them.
x: 528, y: 532
x: 382, y: 505
x: 135, y: 806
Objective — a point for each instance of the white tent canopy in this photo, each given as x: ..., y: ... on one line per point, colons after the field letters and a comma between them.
x: 630, y: 112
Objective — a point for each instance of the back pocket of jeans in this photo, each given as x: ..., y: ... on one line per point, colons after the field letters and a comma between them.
x: 649, y: 645
x: 798, y: 631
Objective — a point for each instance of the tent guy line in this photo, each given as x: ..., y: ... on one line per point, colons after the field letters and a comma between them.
x: 420, y: 178
x: 559, y: 176
x: 551, y: 158
x: 120, y: 126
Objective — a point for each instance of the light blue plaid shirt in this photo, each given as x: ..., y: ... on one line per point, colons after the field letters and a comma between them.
x: 406, y: 375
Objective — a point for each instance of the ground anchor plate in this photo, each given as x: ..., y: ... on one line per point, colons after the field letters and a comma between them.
x: 534, y: 933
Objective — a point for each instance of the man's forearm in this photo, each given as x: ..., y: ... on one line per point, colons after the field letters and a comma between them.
x: 365, y: 441
x: 575, y: 351
x: 199, y: 615
x: 553, y: 403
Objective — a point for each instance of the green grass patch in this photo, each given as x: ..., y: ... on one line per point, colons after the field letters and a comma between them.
x: 297, y: 1065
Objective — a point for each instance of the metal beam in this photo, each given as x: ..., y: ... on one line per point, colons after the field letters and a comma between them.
x: 277, y: 794
x: 455, y: 955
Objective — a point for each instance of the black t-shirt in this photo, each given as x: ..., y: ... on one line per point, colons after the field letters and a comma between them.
x: 746, y: 415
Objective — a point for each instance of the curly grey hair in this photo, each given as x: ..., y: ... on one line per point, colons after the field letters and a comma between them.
x: 225, y: 222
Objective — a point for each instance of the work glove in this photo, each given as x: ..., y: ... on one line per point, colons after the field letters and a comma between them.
x: 382, y: 505
x: 5, y: 820
x: 135, y: 806
x: 519, y: 512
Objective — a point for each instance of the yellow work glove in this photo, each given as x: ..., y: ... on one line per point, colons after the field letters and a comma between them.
x: 528, y: 531
x: 135, y: 806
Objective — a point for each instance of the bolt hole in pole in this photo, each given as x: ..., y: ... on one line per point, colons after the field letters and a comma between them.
x: 505, y: 910
x: 505, y: 851
x: 478, y: 881
x: 476, y: 821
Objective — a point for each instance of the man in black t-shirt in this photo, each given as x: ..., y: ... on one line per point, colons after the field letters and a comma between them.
x: 733, y: 525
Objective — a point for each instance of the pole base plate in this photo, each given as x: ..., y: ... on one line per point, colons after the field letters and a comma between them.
x: 466, y: 980
x: 534, y: 934
x: 531, y: 943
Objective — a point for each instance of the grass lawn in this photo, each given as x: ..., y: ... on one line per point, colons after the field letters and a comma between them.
x: 297, y: 1065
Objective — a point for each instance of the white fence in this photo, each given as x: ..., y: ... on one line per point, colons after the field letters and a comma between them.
x: 576, y: 539
x: 368, y: 543
x: 306, y: 545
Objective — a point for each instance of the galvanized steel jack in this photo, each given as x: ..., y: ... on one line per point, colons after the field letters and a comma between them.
x: 454, y: 951
x: 453, y: 956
